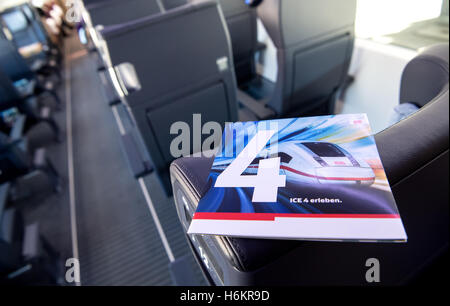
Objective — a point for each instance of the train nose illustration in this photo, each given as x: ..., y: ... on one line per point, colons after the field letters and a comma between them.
x: 324, y: 162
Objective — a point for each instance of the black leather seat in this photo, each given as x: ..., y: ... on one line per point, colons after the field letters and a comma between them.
x: 415, y: 155
x: 175, y: 85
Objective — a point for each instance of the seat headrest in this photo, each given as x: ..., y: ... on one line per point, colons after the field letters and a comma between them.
x: 425, y: 76
x: 152, y: 49
x: 117, y: 11
x: 120, y: 28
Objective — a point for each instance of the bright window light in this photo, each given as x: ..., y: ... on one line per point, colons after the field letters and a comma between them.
x: 381, y: 17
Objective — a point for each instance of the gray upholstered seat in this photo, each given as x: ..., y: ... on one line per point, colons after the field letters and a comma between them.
x: 314, y: 42
x: 183, y: 60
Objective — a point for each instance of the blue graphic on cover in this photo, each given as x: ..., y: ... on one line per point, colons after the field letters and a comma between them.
x: 318, y: 178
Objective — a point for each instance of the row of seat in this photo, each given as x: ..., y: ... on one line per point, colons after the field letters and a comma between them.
x: 199, y: 57
x: 30, y: 63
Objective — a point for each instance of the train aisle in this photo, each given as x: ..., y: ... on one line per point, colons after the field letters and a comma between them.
x: 118, y: 242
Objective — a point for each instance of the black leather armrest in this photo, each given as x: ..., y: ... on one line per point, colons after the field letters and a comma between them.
x: 416, y: 140
x: 195, y: 171
x: 413, y: 142
x: 247, y: 254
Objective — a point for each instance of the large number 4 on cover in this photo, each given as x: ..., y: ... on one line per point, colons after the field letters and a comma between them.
x: 268, y: 178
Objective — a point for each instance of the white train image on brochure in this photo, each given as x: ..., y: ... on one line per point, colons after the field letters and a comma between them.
x: 318, y: 162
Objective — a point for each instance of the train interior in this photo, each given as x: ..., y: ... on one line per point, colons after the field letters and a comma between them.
x: 90, y: 91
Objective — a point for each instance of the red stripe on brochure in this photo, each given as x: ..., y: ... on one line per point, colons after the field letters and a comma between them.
x: 271, y: 217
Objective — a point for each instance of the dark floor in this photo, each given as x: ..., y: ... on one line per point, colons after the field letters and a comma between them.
x: 117, y: 238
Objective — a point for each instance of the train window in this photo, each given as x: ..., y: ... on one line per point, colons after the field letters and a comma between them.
x: 323, y: 149
x: 284, y: 157
x: 408, y: 23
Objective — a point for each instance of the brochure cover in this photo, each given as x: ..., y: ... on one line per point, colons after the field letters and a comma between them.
x: 315, y: 178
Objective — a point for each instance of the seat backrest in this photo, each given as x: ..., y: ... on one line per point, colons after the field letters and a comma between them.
x: 241, y: 22
x: 314, y: 42
x: 183, y: 61
x: 12, y: 63
x: 118, y: 11
x: 242, y: 28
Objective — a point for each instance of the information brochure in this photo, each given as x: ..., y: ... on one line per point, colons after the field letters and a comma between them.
x: 314, y: 178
